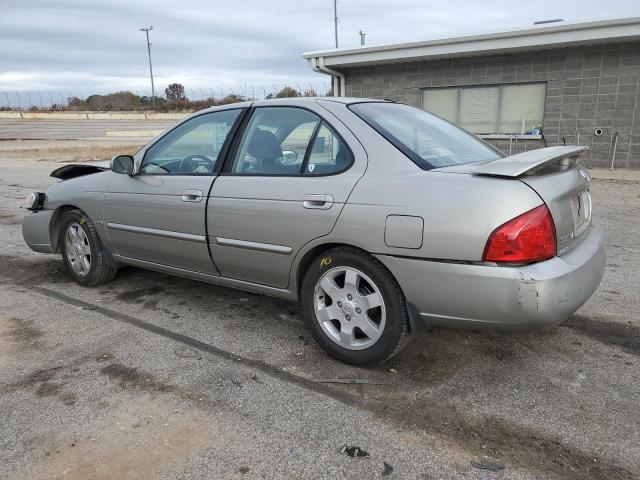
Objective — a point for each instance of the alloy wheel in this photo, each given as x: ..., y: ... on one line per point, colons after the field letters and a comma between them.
x: 350, y: 308
x: 77, y: 249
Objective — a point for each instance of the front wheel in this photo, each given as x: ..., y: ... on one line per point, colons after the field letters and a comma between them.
x: 82, y: 250
x: 354, y: 306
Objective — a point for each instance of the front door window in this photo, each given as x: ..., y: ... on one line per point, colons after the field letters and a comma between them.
x: 192, y: 148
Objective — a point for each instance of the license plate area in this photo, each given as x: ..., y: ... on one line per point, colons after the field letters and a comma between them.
x: 581, y: 210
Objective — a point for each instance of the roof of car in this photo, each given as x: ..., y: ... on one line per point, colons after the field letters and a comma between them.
x: 301, y: 101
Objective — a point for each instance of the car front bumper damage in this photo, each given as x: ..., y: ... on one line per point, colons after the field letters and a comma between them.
x: 35, y: 230
x: 525, y: 297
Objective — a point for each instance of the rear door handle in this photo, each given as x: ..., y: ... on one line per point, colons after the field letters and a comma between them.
x: 192, y: 196
x: 319, y: 201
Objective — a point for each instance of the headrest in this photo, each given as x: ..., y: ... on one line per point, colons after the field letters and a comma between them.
x: 264, y: 145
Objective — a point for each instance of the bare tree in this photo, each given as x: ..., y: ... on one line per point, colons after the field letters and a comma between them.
x: 175, y: 91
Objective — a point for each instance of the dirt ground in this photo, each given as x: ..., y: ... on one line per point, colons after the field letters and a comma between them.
x: 158, y: 377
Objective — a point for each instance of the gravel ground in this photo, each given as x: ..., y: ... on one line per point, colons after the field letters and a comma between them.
x: 153, y: 376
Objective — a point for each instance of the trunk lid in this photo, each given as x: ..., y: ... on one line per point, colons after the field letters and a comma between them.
x: 555, y: 175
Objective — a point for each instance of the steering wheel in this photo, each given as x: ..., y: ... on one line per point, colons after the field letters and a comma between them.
x: 189, y: 163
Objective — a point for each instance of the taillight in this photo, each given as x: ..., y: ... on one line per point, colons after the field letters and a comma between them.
x: 531, y: 237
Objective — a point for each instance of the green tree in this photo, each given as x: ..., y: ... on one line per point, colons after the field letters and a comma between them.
x: 310, y: 92
x: 287, y: 92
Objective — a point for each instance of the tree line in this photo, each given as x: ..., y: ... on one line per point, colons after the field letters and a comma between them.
x: 175, y: 99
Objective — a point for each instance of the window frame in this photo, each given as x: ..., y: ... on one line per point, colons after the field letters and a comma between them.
x: 500, y: 86
x: 223, y: 150
x: 239, y: 133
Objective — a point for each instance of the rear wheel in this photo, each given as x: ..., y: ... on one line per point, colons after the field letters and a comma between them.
x: 355, y: 308
x: 82, y: 250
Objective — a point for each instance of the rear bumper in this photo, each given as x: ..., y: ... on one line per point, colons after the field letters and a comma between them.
x: 526, y: 298
x: 35, y: 230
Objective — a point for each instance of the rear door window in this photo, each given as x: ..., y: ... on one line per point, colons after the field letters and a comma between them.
x: 275, y: 141
x: 289, y: 141
x: 328, y: 153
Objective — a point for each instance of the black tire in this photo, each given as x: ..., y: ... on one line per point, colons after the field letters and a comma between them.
x: 100, y: 270
x: 395, y: 333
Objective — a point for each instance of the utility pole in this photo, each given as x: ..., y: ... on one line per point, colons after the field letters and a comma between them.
x: 335, y: 20
x: 153, y: 91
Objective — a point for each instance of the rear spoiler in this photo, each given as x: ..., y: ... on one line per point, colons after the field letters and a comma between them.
x: 79, y: 169
x: 521, y: 163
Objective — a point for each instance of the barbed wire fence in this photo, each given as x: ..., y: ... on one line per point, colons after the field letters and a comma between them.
x: 140, y: 100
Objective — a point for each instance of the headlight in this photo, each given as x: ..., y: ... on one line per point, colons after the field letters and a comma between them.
x: 34, y: 201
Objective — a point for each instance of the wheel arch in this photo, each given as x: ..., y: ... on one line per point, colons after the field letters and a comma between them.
x: 55, y: 227
x: 56, y: 224
x: 416, y: 323
x: 312, y: 253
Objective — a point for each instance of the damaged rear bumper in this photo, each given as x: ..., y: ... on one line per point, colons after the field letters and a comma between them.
x: 527, y: 297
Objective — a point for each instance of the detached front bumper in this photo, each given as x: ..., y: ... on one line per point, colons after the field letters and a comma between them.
x: 35, y: 230
x: 528, y: 297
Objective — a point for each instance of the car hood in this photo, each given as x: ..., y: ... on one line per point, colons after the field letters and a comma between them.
x: 74, y: 170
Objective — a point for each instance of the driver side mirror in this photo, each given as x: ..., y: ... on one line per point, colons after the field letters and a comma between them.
x: 122, y: 164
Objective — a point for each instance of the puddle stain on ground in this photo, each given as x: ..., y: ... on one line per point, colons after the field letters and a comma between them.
x: 132, y: 378
x: 21, y: 331
x: 138, y: 295
x: 146, y: 439
x: 514, y: 444
x: 625, y: 336
x: 18, y: 336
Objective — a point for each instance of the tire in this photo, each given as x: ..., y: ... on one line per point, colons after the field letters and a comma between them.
x: 82, y: 251
x: 372, y: 321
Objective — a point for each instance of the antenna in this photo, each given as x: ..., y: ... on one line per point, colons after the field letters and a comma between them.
x: 553, y: 20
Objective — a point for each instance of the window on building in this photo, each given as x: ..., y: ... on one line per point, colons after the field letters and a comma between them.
x: 516, y: 108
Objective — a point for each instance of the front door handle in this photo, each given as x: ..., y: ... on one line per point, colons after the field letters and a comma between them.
x: 192, y: 196
x: 319, y: 201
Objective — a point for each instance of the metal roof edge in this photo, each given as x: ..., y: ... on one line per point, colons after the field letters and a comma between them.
x: 566, y: 34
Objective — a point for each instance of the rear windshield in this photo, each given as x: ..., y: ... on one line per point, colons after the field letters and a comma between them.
x: 429, y: 141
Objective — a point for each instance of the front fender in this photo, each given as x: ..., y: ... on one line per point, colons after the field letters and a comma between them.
x: 35, y: 231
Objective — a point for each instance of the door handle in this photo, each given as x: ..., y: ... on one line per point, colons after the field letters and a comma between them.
x: 192, y: 196
x: 319, y: 201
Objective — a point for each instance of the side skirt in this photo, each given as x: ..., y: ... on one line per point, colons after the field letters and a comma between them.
x: 217, y: 280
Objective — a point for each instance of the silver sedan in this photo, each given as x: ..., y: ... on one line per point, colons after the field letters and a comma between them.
x: 379, y: 217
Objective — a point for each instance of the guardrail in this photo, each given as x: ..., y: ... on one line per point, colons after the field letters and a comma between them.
x: 18, y: 115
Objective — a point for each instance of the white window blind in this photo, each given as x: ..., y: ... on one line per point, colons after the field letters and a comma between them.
x: 479, y: 109
x: 521, y: 103
x: 442, y: 102
x: 491, y: 109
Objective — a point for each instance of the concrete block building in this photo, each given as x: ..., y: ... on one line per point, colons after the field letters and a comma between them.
x: 522, y: 89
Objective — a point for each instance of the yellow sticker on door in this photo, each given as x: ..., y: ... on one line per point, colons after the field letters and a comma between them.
x: 325, y: 262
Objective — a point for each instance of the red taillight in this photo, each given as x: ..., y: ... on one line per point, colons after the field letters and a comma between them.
x: 531, y: 237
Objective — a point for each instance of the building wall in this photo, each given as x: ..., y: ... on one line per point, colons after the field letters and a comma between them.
x: 587, y: 87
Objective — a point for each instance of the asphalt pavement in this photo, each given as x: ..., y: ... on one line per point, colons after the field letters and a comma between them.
x: 73, y: 129
x: 153, y: 376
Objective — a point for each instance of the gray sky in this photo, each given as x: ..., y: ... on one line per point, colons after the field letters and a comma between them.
x: 91, y: 46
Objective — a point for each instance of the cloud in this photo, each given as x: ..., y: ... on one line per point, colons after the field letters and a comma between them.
x: 94, y: 46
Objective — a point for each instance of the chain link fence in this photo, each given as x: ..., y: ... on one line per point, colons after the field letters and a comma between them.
x: 141, y: 100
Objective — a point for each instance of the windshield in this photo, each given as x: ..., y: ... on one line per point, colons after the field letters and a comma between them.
x: 429, y: 141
